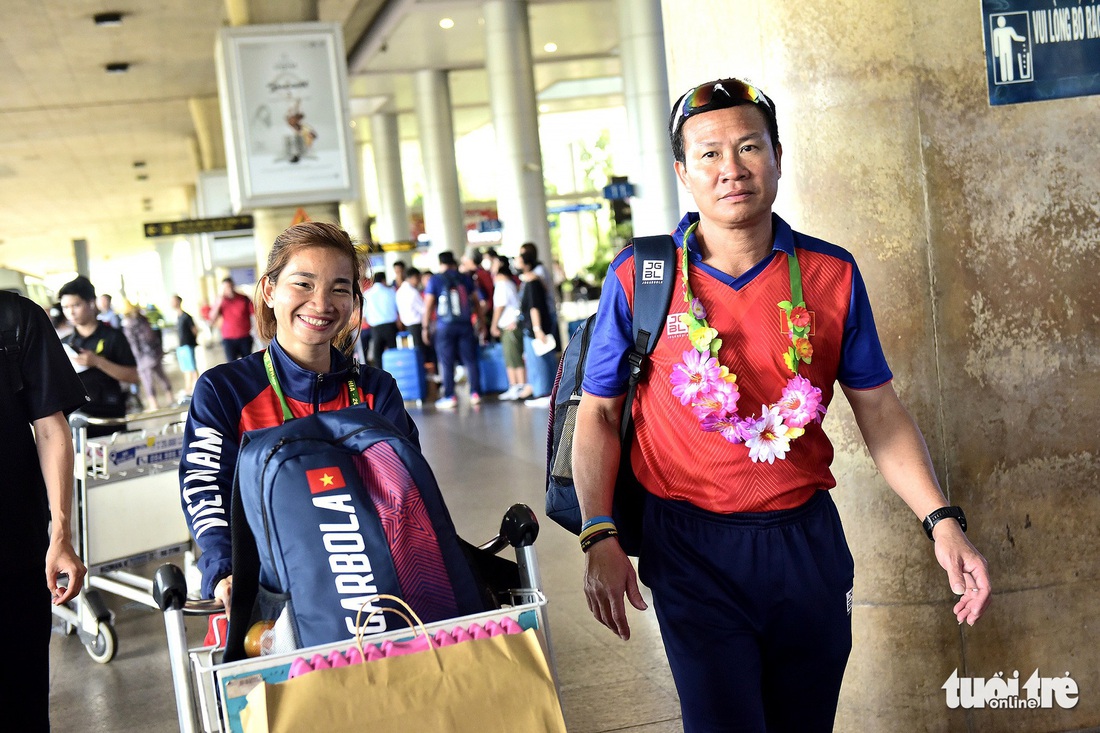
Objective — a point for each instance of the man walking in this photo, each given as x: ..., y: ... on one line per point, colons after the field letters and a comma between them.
x: 742, y: 545
x: 100, y: 354
x: 37, y: 387
x: 235, y: 312
x: 452, y: 298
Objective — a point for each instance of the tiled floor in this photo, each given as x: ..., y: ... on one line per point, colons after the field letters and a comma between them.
x: 485, y: 459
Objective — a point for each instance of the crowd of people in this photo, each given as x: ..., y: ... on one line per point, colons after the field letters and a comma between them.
x: 478, y: 299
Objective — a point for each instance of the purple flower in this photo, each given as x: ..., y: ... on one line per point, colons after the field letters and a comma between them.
x: 720, y: 397
x: 697, y: 309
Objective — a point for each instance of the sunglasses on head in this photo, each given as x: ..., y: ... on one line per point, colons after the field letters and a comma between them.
x: 702, y: 98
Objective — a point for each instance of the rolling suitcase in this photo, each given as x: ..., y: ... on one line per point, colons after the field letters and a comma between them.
x: 407, y: 367
x: 494, y: 375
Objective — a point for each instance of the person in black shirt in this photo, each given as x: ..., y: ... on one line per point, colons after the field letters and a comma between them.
x: 37, y: 386
x: 541, y: 358
x: 100, y: 354
x: 188, y: 340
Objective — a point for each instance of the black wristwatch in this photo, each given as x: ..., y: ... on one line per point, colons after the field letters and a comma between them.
x: 947, y: 512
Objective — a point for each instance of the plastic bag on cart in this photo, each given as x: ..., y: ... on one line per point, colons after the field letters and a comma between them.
x: 495, y: 684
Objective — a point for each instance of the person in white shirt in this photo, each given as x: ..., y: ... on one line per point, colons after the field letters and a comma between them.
x: 410, y: 306
x: 380, y: 313
x: 505, y: 326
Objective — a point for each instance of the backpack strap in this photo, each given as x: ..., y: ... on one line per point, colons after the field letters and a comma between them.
x: 654, y: 281
x: 246, y: 574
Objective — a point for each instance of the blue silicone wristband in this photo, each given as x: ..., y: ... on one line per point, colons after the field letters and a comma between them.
x: 596, y: 520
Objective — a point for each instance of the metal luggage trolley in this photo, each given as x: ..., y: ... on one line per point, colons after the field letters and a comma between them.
x: 210, y: 694
x: 126, y: 513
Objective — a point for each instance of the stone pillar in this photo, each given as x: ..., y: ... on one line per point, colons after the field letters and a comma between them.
x: 269, y: 222
x: 80, y: 257
x: 521, y: 195
x: 654, y: 207
x: 976, y: 231
x: 443, y: 218
x: 392, y: 224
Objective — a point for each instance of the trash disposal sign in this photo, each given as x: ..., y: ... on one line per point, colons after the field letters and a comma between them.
x: 1041, y: 49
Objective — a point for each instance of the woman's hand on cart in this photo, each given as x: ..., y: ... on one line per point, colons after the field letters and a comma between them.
x: 62, y: 560
x: 223, y: 592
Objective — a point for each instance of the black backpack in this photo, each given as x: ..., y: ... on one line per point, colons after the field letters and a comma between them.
x: 654, y: 280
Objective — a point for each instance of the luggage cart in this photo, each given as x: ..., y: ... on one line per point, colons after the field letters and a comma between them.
x: 126, y: 513
x: 210, y: 694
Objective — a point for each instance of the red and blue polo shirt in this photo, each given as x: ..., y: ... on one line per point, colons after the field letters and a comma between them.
x: 671, y: 456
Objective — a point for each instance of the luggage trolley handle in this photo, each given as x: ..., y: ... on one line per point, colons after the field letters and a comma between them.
x: 170, y: 595
x: 520, y: 529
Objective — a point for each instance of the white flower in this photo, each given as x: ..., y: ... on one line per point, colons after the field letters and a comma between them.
x: 767, y: 436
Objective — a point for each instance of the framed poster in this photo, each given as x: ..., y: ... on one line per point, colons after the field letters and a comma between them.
x: 284, y: 105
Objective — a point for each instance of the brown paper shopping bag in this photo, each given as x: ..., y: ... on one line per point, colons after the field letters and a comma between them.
x: 500, y: 683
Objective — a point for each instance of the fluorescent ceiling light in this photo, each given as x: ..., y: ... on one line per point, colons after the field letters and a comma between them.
x: 446, y: 24
x: 550, y: 47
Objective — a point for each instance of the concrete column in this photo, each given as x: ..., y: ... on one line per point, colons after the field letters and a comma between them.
x: 166, y: 251
x: 269, y: 223
x: 521, y: 195
x: 392, y: 222
x: 443, y: 217
x: 353, y: 218
x: 80, y: 256
x: 654, y: 208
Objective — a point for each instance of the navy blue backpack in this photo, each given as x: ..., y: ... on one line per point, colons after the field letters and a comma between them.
x: 655, y: 271
x: 330, y: 510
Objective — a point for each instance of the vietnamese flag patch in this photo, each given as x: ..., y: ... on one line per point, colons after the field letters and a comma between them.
x: 324, y: 479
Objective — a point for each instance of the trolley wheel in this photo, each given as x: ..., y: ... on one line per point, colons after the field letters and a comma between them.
x: 103, y: 647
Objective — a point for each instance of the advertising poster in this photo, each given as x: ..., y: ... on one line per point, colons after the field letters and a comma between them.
x: 1041, y: 49
x: 284, y: 112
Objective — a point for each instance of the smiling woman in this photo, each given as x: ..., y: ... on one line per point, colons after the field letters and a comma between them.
x: 308, y: 293
x: 304, y: 306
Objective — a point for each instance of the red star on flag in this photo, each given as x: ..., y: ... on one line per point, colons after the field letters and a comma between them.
x: 324, y: 479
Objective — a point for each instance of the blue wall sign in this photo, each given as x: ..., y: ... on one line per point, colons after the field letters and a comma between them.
x: 572, y: 208
x: 1041, y: 49
x: 616, y: 191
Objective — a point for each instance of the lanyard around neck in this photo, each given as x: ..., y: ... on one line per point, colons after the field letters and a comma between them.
x: 353, y: 389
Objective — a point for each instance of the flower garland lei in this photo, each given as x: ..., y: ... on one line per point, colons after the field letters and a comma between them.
x: 708, y: 387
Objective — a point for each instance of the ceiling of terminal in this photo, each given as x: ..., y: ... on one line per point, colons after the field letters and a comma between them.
x: 87, y: 154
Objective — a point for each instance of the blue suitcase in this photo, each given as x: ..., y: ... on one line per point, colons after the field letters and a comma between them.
x: 407, y: 367
x: 494, y: 375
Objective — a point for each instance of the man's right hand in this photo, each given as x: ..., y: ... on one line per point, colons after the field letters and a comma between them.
x: 223, y: 591
x: 608, y: 576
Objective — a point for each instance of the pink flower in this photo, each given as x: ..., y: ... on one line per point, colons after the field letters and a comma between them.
x: 698, y: 309
x: 800, y: 317
x: 766, y: 436
x: 720, y: 398
x: 801, y: 403
x: 694, y: 375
